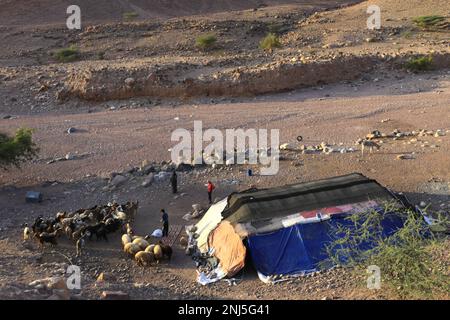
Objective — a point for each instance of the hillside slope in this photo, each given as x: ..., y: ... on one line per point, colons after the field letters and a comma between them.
x: 39, y: 12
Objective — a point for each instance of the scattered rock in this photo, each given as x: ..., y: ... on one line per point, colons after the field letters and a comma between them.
x: 162, y: 176
x: 63, y: 294
x: 104, y: 277
x: 405, y: 157
x: 148, y: 180
x: 287, y: 146
x: 118, y: 180
x: 372, y: 39
x: 439, y: 133
x: 184, y: 167
x: 148, y: 169
x: 69, y: 156
x: 129, y: 82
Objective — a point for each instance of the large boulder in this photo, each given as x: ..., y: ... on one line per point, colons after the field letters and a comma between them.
x: 162, y: 176
x: 148, y: 169
x: 148, y: 180
x: 118, y: 180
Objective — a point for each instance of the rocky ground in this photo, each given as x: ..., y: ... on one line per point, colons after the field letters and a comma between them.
x: 112, y: 137
x: 144, y: 134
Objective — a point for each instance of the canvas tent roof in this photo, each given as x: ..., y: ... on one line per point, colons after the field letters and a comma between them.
x: 208, y: 223
x: 262, y: 205
x: 287, y: 227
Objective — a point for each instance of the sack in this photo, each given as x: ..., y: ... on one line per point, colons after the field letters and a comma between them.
x: 157, y: 233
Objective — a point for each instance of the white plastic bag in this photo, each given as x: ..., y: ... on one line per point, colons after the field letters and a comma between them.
x: 157, y: 233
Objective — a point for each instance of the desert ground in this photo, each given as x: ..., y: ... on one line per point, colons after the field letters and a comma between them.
x: 331, y: 81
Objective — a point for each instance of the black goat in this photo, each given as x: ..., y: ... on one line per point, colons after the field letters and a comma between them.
x: 99, y: 230
x: 45, y: 237
x: 113, y: 225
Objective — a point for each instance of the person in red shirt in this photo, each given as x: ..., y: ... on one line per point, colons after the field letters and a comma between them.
x: 211, y: 187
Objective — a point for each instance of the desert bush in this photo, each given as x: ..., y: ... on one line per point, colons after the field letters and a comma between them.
x: 67, y: 54
x: 206, y: 41
x: 270, y: 42
x: 410, y: 260
x: 130, y: 15
x: 428, y: 22
x: 421, y: 63
x: 16, y: 149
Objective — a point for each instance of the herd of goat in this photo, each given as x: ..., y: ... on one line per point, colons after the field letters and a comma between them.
x: 98, y: 221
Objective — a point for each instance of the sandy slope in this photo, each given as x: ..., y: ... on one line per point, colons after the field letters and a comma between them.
x: 20, y: 12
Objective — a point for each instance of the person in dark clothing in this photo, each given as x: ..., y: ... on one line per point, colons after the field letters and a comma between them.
x: 173, y: 182
x: 165, y: 221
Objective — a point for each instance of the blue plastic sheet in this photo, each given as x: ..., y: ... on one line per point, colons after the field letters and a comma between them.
x: 302, y: 247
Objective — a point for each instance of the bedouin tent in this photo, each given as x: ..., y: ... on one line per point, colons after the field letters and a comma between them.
x: 288, y: 227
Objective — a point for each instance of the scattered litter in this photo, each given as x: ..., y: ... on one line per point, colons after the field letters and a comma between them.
x: 210, y: 277
x: 115, y: 295
x: 422, y: 204
x: 33, y: 197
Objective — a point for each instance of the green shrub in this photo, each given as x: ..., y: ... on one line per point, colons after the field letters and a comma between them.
x: 206, y: 41
x: 270, y: 42
x: 422, y: 63
x: 128, y: 16
x: 428, y: 22
x: 67, y: 54
x: 410, y: 260
x: 14, y: 150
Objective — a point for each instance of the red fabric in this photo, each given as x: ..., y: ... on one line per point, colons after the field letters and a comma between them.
x: 211, y: 187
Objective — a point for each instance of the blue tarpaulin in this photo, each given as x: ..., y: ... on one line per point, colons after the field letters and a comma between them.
x: 300, y: 248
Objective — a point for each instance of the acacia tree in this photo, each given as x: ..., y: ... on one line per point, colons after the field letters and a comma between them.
x: 16, y: 149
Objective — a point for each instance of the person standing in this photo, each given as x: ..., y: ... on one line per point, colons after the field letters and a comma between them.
x: 165, y: 221
x: 80, y: 244
x: 26, y: 233
x: 210, y: 187
x: 173, y: 182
